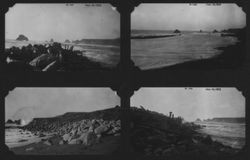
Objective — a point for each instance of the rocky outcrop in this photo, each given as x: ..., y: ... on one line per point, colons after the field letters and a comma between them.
x: 215, y: 31
x: 198, y: 120
x: 67, y: 41
x: 9, y: 121
x: 177, y: 31
x: 17, y: 122
x: 22, y: 37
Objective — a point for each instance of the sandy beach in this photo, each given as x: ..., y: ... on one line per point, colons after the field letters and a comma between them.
x: 107, y: 145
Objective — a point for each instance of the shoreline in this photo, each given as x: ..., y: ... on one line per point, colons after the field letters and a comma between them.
x: 227, y: 59
x: 153, y: 36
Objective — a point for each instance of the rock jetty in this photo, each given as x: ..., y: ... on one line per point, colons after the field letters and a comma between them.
x: 156, y: 134
x: 77, y: 128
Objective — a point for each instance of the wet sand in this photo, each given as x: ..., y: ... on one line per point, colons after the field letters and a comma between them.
x: 231, y: 57
x: 107, y: 145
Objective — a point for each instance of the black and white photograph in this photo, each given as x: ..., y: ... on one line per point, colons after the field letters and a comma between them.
x: 188, y: 35
x: 183, y: 122
x: 62, y: 121
x: 61, y: 37
x: 129, y: 80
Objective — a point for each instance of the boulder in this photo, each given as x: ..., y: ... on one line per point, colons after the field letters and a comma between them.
x: 42, y: 135
x: 101, y: 129
x: 55, y: 140
x: 29, y: 149
x: 66, y: 137
x: 117, y: 134
x: 116, y: 129
x: 75, y: 141
x: 47, y: 143
x: 207, y: 140
x: 88, y: 138
x: 42, y: 61
x: 91, y: 128
x: 110, y: 132
x: 118, y: 122
x: 61, y: 142
x: 52, y: 66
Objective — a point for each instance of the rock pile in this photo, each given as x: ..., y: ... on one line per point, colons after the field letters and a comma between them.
x: 85, y: 128
x: 48, y: 57
x: 159, y: 135
x: 88, y: 132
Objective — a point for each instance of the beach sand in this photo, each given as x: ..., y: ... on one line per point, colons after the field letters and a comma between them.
x: 107, y: 145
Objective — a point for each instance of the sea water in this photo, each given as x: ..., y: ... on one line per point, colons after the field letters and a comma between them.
x: 189, y: 46
x: 230, y: 134
x: 15, y: 137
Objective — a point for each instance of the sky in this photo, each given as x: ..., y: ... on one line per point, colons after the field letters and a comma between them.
x: 58, y: 21
x: 192, y: 104
x: 187, y: 17
x: 27, y: 103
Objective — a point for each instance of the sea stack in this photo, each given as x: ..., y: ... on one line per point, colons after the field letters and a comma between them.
x: 9, y: 121
x: 67, y: 41
x: 22, y: 37
x: 177, y: 31
x: 215, y: 31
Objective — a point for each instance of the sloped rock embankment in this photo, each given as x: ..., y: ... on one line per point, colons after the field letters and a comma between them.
x: 77, y: 128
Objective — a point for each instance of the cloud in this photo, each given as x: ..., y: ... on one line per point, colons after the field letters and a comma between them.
x: 60, y: 22
x: 185, y: 17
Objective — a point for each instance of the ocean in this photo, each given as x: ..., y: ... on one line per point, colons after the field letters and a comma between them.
x: 229, y: 134
x: 189, y: 46
x: 15, y: 137
x: 106, y: 53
